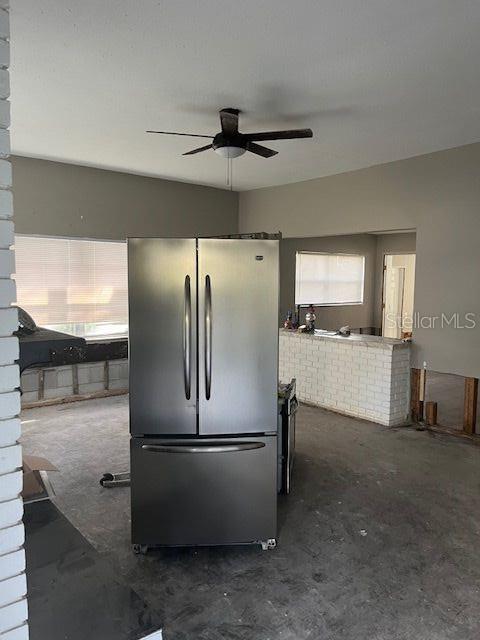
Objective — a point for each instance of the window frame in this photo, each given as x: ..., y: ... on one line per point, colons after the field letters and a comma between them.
x: 331, y: 304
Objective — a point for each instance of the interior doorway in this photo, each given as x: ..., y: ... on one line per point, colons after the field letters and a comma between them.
x: 398, y: 295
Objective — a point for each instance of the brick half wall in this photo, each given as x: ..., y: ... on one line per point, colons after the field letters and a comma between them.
x: 363, y: 376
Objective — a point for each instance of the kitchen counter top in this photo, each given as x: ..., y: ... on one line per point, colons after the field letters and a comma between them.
x: 353, y: 338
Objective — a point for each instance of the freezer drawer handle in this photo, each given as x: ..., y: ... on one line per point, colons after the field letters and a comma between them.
x: 208, y: 337
x: 187, y: 337
x: 202, y: 448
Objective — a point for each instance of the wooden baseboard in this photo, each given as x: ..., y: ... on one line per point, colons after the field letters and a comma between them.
x: 74, y: 398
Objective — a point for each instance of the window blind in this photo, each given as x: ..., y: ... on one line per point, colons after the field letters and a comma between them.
x: 78, y: 286
x: 328, y: 279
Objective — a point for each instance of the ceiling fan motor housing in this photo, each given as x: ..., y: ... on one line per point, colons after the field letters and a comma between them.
x: 229, y: 146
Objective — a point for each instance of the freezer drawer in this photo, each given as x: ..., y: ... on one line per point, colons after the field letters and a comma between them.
x: 203, y: 491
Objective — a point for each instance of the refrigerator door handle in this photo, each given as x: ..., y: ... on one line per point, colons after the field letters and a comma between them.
x: 187, y: 337
x: 202, y: 448
x: 208, y: 337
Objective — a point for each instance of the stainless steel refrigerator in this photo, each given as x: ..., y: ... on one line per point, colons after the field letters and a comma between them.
x: 203, y: 349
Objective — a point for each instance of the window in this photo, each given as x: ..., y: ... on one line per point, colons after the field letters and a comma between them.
x: 328, y: 279
x: 75, y: 286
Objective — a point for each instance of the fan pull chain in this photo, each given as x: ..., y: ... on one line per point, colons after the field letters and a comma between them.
x: 229, y: 169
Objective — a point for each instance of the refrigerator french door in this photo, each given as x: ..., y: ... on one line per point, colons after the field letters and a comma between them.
x: 203, y: 350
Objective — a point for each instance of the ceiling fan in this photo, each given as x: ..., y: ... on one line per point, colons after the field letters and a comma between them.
x: 230, y: 143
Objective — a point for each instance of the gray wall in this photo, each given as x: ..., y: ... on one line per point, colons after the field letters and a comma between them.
x: 52, y: 198
x: 374, y: 199
x: 438, y: 195
x: 448, y: 280
x: 357, y: 316
x: 388, y: 243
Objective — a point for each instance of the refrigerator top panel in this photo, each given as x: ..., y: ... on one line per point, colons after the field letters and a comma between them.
x: 237, y: 336
x: 162, y: 290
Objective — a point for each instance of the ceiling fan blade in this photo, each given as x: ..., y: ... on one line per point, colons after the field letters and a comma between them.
x: 175, y: 133
x: 290, y: 134
x: 229, y: 120
x: 260, y: 151
x: 189, y: 153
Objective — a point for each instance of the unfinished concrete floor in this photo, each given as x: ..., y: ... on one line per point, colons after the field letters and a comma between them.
x: 378, y: 541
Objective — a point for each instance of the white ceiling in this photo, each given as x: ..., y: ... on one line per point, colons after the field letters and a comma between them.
x: 376, y: 80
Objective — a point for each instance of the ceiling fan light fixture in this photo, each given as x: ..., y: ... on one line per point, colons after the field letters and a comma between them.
x: 229, y: 151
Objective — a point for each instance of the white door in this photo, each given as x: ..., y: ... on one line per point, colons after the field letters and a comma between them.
x: 398, y: 293
x: 393, y: 303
